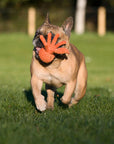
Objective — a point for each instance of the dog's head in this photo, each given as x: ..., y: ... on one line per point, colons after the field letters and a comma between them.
x: 63, y: 31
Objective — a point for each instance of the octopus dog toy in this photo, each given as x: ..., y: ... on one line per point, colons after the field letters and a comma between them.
x: 47, y: 53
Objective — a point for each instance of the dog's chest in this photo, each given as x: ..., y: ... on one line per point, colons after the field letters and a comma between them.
x: 56, y: 74
x: 52, y: 79
x: 51, y: 76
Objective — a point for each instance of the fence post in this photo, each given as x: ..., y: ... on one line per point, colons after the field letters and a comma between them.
x: 31, y: 21
x: 101, y: 21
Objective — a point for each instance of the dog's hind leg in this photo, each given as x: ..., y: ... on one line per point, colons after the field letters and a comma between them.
x: 81, y: 84
x: 69, y: 90
x: 50, y: 96
x: 36, y: 90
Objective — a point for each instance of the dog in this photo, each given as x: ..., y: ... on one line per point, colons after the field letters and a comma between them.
x: 66, y: 69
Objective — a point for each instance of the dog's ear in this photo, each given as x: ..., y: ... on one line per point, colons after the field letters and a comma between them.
x: 67, y: 25
x: 47, y: 20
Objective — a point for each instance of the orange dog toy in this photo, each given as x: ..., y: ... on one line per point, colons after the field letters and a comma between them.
x: 46, y: 54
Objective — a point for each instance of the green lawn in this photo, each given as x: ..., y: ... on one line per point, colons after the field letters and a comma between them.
x: 89, y: 122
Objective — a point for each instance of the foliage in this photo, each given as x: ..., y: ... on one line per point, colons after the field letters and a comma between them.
x: 91, y: 121
x: 97, y: 3
x: 36, y: 3
x: 44, y: 3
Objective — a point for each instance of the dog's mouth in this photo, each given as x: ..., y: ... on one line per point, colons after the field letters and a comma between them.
x: 37, y: 49
x: 37, y: 43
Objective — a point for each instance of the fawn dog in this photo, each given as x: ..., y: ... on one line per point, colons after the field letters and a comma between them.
x: 65, y: 69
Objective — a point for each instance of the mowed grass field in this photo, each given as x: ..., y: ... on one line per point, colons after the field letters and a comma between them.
x: 89, y: 122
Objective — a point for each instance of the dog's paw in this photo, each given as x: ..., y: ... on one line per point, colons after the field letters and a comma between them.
x: 65, y: 100
x: 49, y: 107
x: 41, y: 104
x: 73, y: 102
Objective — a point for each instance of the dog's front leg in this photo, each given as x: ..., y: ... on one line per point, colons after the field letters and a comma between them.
x: 36, y: 90
x: 69, y: 90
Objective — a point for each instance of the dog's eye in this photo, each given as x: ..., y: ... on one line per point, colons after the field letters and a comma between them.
x: 36, y: 33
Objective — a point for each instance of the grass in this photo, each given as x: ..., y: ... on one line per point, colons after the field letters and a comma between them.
x: 89, y: 122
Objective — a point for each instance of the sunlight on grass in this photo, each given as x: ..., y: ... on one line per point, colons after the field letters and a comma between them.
x: 90, y: 122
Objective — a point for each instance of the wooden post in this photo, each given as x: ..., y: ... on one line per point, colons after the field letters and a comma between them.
x: 31, y: 21
x: 101, y: 21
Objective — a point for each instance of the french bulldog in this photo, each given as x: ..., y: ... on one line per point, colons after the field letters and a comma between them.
x: 65, y: 69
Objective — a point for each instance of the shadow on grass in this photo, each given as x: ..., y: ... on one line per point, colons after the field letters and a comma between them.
x: 92, y: 95
x: 58, y: 95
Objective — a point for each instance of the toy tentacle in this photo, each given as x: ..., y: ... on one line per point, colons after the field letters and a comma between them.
x: 49, y: 38
x: 55, y: 39
x: 43, y: 40
x: 61, y: 51
x: 60, y: 44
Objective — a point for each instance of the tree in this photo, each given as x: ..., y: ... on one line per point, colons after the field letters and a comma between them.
x: 36, y: 3
x: 80, y: 16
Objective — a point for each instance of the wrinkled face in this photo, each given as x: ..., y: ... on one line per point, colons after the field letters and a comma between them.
x: 63, y: 31
x: 44, y: 30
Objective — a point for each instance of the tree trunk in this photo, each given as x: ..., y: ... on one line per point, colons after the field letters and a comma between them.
x: 80, y: 16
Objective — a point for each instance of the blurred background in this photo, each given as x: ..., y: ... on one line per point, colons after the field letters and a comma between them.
x: 89, y: 122
x: 14, y: 13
